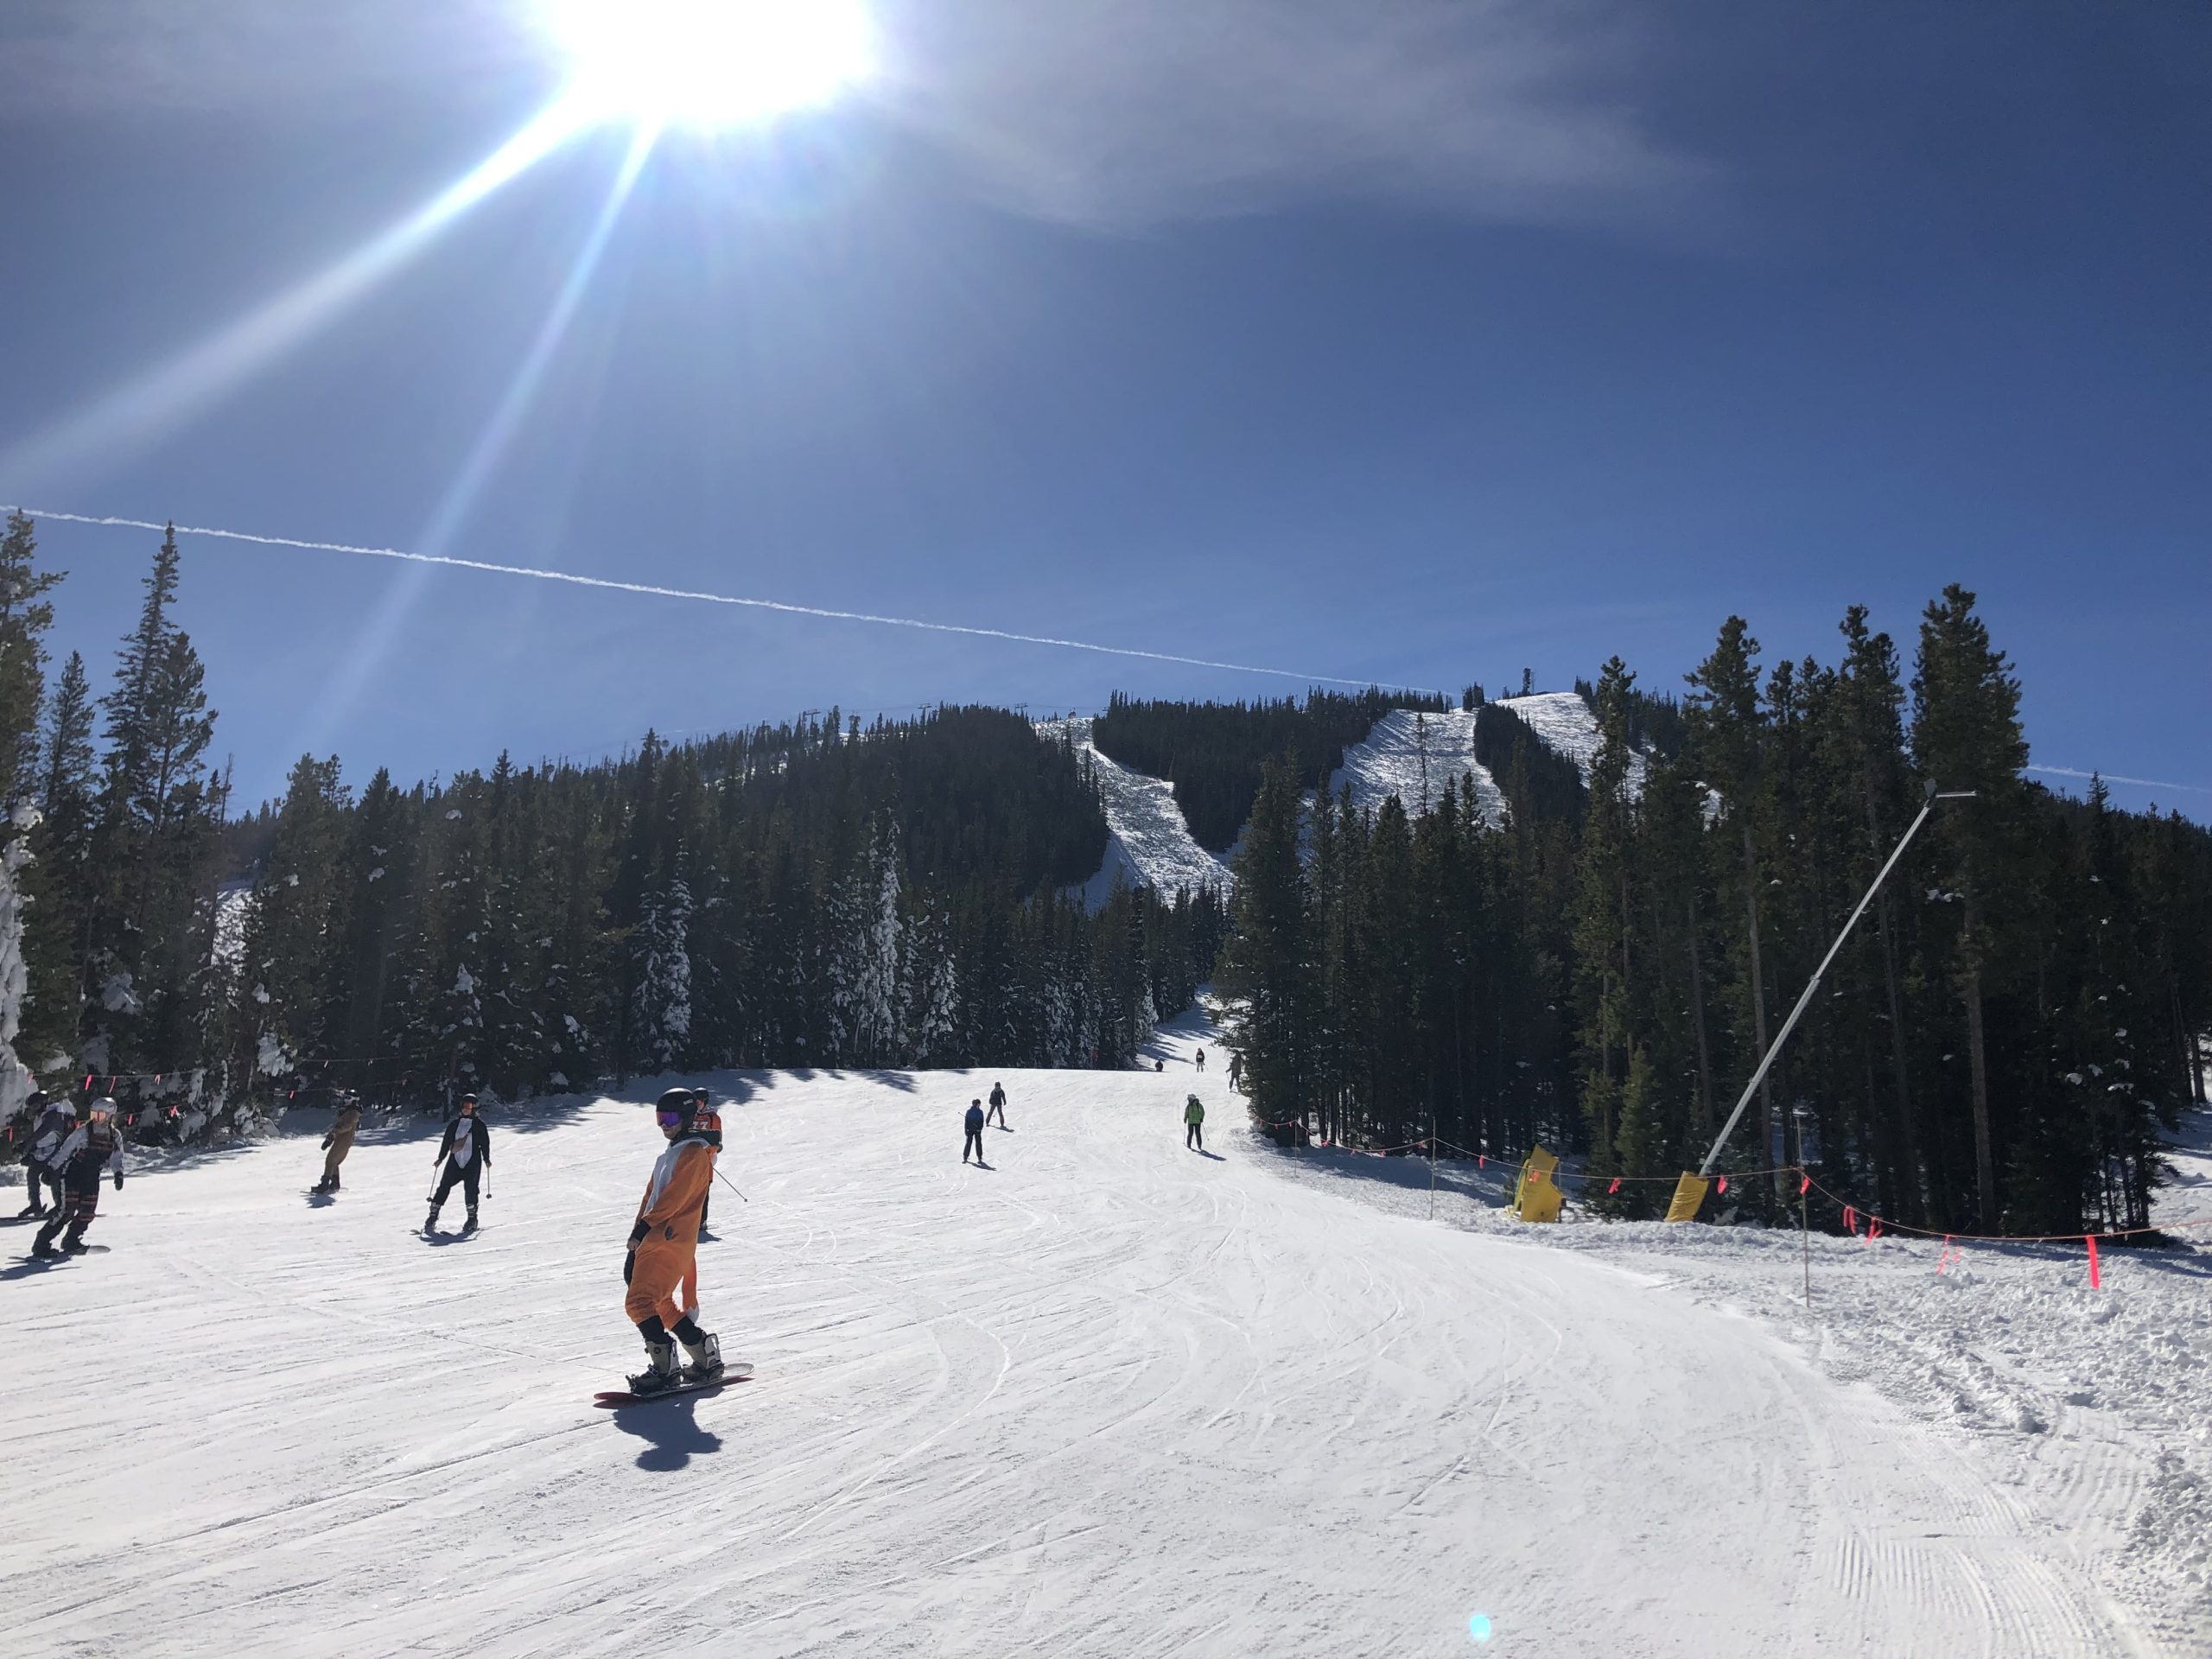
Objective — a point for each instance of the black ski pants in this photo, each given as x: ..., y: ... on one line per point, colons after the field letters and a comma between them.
x: 998, y: 1111
x: 38, y: 1177
x: 1192, y: 1138
x: 465, y: 1178
x: 973, y: 1143
x: 74, y: 1209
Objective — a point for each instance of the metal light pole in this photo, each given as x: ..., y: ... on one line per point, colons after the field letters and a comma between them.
x: 1766, y: 1062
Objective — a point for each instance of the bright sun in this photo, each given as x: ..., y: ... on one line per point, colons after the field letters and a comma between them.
x: 709, y: 63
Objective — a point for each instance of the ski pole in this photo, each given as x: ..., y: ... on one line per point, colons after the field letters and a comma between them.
x: 729, y: 1183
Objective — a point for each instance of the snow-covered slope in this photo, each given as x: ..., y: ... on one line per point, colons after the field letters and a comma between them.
x: 1569, y: 728
x: 1149, y: 844
x: 1105, y: 1397
x: 1391, y: 762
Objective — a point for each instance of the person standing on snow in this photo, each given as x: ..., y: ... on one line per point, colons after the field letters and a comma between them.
x: 466, y: 1151
x: 974, y: 1141
x: 339, y: 1141
x: 1202, y: 1059
x: 1194, y: 1115
x: 708, y: 1125
x: 998, y: 1105
x: 95, y: 1144
x: 1236, y: 1067
x: 51, y: 1125
x: 662, y: 1258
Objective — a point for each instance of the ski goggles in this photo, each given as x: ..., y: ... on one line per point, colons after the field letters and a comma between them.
x: 670, y: 1120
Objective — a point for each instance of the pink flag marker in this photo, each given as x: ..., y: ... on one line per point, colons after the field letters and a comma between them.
x: 2096, y: 1279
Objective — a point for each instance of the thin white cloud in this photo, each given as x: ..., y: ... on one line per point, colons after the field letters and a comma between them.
x: 156, y: 56
x: 1120, y: 113
x: 2115, y: 778
x: 1107, y: 114
x: 654, y: 590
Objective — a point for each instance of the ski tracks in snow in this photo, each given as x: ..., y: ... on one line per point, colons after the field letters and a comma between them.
x: 1106, y: 1397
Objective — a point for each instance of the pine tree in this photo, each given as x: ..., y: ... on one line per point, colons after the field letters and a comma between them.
x: 1269, y: 965
x: 25, y: 615
x: 1966, y: 735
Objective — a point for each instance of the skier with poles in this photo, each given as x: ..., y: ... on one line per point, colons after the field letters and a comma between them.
x: 465, y: 1152
x: 1194, y: 1115
x: 339, y: 1141
x: 1235, y: 1069
x: 998, y: 1106
x: 94, y: 1144
x: 662, y: 1259
x: 974, y: 1141
x: 1202, y: 1059
x: 52, y: 1125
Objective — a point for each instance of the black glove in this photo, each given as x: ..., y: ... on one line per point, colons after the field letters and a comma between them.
x: 326, y: 1143
x: 629, y: 1264
x: 638, y: 1234
x: 118, y: 1180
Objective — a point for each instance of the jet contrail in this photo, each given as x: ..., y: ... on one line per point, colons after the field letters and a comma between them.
x: 654, y: 590
x: 2114, y: 778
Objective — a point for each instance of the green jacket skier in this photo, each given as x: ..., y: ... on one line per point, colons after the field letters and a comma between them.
x: 1193, y: 1115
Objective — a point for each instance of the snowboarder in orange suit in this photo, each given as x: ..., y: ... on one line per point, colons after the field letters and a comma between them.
x: 662, y: 1265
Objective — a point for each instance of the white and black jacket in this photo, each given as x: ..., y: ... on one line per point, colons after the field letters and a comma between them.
x: 475, y: 1145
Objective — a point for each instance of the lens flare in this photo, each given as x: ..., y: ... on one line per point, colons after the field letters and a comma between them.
x: 709, y: 63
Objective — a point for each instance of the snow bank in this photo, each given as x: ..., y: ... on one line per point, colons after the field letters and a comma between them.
x: 1148, y: 843
x: 1411, y: 755
x: 1568, y: 726
x: 1105, y: 1397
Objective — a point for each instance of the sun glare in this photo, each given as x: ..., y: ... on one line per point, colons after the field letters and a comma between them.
x: 709, y: 63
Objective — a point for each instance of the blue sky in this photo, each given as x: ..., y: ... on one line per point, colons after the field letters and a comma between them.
x: 1417, y: 340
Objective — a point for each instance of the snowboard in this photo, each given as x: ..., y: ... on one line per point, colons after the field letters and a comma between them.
x: 60, y: 1257
x: 734, y: 1370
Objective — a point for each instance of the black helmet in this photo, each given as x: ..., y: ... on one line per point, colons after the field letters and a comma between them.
x: 681, y: 1101
x: 36, y: 1101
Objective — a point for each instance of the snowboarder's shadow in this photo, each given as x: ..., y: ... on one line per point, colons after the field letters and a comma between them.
x: 25, y: 1269
x: 672, y: 1433
x: 980, y: 1164
x: 447, y: 1238
x: 1216, y: 1156
x: 322, y: 1200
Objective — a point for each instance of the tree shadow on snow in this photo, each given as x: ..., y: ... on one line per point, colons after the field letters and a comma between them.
x: 671, y: 1431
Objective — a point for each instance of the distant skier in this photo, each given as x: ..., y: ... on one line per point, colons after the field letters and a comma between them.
x: 998, y: 1105
x: 1160, y: 1066
x: 662, y: 1259
x: 1202, y: 1059
x: 1235, y: 1068
x: 93, y: 1146
x: 975, y: 1142
x: 1194, y: 1115
x: 339, y: 1141
x: 708, y: 1125
x: 465, y: 1152
x: 51, y: 1124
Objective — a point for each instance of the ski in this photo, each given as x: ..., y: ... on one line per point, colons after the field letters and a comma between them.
x: 735, y: 1370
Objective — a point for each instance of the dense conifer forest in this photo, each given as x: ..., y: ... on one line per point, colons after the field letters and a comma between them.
x: 1999, y: 1044
x: 816, y: 893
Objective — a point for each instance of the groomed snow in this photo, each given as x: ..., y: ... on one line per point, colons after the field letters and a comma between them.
x: 1569, y: 728
x: 1149, y: 843
x: 1106, y: 1397
x: 1391, y: 762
